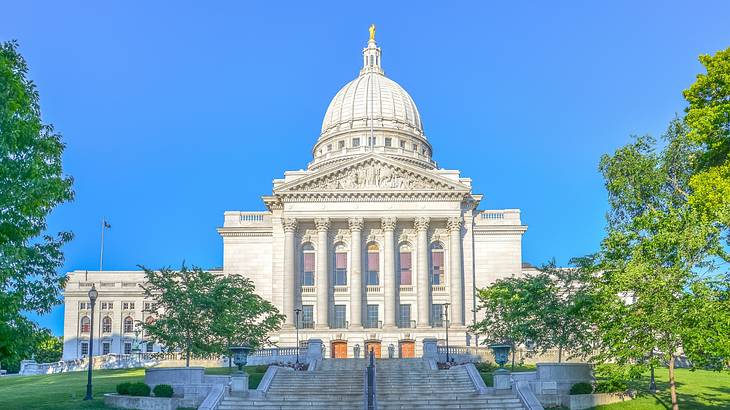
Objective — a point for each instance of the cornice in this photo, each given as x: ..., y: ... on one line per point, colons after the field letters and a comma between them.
x: 500, y: 229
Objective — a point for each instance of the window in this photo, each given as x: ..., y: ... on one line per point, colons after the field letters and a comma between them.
x: 84, y: 348
x: 150, y: 320
x: 340, y: 265
x: 415, y: 147
x: 308, y: 265
x: 404, y: 316
x: 149, y: 346
x: 84, y: 305
x: 340, y: 316
x: 388, y: 142
x: 128, y: 305
x: 127, y: 347
x: 372, y: 316
x: 403, y: 144
x: 373, y: 264
x: 372, y: 60
x: 372, y: 141
x: 329, y: 147
x: 128, y: 324
x: 106, y: 324
x: 437, y: 264
x: 355, y: 142
x: 437, y: 315
x: 405, y: 265
x: 107, y: 305
x: 106, y: 348
x: 307, y: 317
x: 85, y: 324
x: 149, y: 307
x: 341, y: 145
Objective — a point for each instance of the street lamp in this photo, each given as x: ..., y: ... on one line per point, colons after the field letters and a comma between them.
x: 297, y: 311
x: 93, y: 294
x: 446, y: 317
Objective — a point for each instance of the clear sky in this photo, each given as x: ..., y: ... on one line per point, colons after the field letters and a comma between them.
x: 174, y: 112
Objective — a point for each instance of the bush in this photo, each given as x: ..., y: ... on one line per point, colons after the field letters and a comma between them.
x: 139, y: 389
x: 581, y: 388
x: 485, y: 367
x: 261, y: 368
x: 613, y: 378
x: 611, y: 386
x: 123, y: 388
x: 163, y: 390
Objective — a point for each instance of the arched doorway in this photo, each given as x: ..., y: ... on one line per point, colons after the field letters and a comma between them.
x: 339, y: 349
x: 375, y: 346
x: 406, y: 349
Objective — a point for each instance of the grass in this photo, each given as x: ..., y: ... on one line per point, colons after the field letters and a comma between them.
x: 488, y: 377
x: 255, y: 373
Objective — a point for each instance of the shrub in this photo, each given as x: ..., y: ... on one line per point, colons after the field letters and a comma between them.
x: 123, y: 388
x: 485, y: 367
x: 615, y: 378
x: 139, y: 389
x: 261, y: 368
x: 611, y: 386
x: 581, y: 388
x: 163, y: 390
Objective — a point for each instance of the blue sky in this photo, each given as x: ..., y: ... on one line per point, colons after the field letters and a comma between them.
x: 174, y: 112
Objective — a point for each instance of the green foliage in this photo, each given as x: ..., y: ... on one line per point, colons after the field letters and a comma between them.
x: 613, y: 378
x: 486, y: 367
x: 581, y: 388
x: 123, y: 388
x: 262, y: 368
x: 139, y: 389
x: 32, y: 185
x: 22, y: 339
x: 163, y: 390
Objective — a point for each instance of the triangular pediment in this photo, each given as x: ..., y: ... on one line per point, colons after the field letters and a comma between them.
x: 372, y: 173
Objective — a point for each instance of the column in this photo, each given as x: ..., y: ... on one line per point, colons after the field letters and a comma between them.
x: 290, y: 274
x: 424, y: 285
x: 456, y: 274
x: 323, y: 274
x: 355, y: 272
x: 389, y: 280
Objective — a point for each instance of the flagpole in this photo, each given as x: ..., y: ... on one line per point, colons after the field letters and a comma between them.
x: 101, y: 257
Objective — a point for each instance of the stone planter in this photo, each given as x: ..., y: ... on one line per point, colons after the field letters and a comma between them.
x: 588, y: 401
x: 174, y: 376
x: 142, y: 403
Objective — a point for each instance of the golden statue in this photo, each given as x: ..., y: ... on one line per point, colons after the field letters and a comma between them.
x: 372, y: 32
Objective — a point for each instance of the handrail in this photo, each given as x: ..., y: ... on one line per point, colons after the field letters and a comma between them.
x: 527, y: 397
x: 371, y: 402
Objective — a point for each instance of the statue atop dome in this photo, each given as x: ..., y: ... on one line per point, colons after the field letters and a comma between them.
x: 372, y: 32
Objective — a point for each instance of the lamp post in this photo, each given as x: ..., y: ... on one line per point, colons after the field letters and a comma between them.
x: 446, y: 317
x: 93, y: 294
x: 652, y: 382
x: 297, y: 311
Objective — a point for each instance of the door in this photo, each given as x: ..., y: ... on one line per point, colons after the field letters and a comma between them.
x: 407, y: 349
x: 374, y: 346
x: 339, y: 350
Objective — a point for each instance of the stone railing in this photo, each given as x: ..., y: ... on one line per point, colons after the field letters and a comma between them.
x: 406, y: 288
x: 438, y: 288
x: 274, y: 355
x: 341, y: 289
x: 498, y: 217
x: 374, y: 289
x: 309, y: 289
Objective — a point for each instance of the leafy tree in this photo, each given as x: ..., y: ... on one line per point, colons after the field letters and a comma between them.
x: 48, y: 348
x: 32, y: 184
x: 657, y: 260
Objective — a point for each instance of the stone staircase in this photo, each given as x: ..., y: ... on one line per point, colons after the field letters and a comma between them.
x: 411, y: 384
x: 336, y: 384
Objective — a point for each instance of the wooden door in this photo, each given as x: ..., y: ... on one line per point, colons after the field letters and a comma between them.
x: 375, y: 346
x: 407, y: 349
x: 339, y: 350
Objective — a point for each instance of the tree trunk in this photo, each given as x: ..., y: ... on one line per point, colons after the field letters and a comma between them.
x: 560, y: 353
x: 672, y: 386
x: 513, y: 356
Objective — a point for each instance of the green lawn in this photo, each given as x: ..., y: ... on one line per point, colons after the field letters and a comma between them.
x: 488, y: 377
x: 255, y: 374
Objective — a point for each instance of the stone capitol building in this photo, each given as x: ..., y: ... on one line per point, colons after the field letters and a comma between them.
x: 372, y: 244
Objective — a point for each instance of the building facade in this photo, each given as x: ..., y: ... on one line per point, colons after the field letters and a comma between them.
x: 372, y: 246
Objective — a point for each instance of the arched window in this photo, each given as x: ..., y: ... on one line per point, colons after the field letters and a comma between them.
x: 404, y: 268
x: 307, y: 278
x: 85, y: 324
x: 128, y: 324
x: 340, y: 265
x: 373, y: 264
x: 106, y: 324
x: 150, y: 320
x: 437, y: 264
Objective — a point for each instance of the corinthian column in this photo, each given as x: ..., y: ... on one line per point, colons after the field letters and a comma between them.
x: 424, y: 286
x: 290, y: 274
x: 389, y: 282
x: 356, y: 271
x: 323, y: 283
x: 457, y: 275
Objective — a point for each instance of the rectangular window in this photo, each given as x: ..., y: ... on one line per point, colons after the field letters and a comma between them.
x: 307, y: 317
x: 84, y: 305
x: 355, y: 142
x: 329, y: 147
x: 437, y: 315
x: 373, y: 268
x: 128, y: 305
x: 372, y: 141
x: 341, y: 145
x: 149, y: 347
x: 402, y: 144
x: 341, y: 269
x: 105, y: 348
x: 340, y: 317
x: 388, y: 142
x: 308, y: 273
x: 404, y: 316
x: 405, y: 268
x: 371, y: 320
x: 84, y: 348
x: 437, y: 259
x: 107, y: 305
x: 415, y: 147
x: 127, y: 347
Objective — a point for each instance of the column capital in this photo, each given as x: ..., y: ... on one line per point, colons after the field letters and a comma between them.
x: 454, y: 224
x: 356, y: 224
x: 322, y: 224
x: 421, y: 223
x: 289, y: 224
x: 388, y: 223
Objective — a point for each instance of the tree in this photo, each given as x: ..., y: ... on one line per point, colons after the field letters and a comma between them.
x: 657, y: 259
x: 32, y: 184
